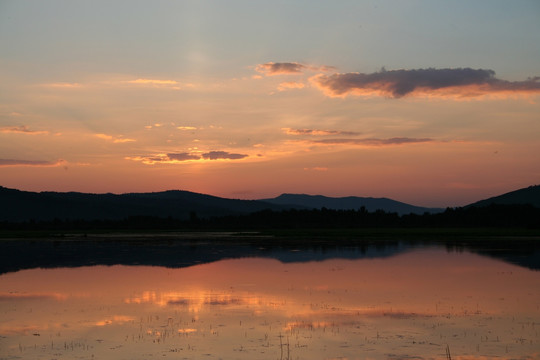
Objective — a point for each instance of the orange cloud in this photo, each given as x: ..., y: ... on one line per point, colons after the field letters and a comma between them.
x: 63, y: 85
x: 159, y: 83
x: 152, y: 82
x: 156, y: 125
x: 22, y: 129
x: 465, y: 82
x: 114, y: 139
x: 289, y: 85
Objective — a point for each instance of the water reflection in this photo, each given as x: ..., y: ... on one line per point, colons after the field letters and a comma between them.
x: 412, y: 305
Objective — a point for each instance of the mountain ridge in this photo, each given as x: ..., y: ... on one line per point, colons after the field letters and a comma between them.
x: 19, y: 205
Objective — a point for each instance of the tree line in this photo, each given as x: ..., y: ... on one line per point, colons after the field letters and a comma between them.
x: 493, y: 216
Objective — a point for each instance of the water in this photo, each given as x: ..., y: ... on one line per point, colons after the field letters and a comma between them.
x: 416, y: 303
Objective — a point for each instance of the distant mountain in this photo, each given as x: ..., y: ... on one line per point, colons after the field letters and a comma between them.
x: 19, y: 205
x: 346, y: 203
x: 529, y: 195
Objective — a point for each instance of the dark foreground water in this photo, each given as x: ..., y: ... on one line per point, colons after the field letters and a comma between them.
x: 384, y: 300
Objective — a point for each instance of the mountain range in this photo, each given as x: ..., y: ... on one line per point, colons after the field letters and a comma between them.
x: 17, y: 205
x: 349, y: 202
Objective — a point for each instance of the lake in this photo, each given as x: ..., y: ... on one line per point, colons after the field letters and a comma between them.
x: 395, y: 301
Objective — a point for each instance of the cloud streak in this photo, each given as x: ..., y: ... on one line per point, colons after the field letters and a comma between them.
x: 320, y: 138
x: 216, y: 155
x: 63, y: 85
x: 16, y: 162
x: 22, y: 129
x: 183, y: 157
x: 316, y: 132
x: 174, y: 158
x: 116, y: 140
x: 372, y: 141
x: 463, y: 82
x: 159, y: 83
x: 152, y: 82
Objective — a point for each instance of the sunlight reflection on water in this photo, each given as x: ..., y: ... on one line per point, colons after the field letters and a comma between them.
x: 407, y: 306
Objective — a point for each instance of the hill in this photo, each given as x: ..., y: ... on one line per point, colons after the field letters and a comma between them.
x: 529, y: 195
x: 45, y: 206
x: 347, y: 203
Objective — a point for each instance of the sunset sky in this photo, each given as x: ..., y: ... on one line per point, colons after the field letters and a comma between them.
x: 434, y: 103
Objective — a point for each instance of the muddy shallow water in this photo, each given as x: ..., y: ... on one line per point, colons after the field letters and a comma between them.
x: 422, y: 303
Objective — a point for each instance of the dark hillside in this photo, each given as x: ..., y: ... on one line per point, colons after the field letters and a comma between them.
x: 529, y: 195
x: 45, y: 206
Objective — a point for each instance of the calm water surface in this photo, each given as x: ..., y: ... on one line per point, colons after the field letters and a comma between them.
x: 415, y: 305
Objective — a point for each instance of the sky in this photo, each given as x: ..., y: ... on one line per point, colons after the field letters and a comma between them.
x: 434, y: 103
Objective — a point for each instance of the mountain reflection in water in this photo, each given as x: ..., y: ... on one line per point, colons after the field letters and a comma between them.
x: 187, y: 249
x: 411, y: 305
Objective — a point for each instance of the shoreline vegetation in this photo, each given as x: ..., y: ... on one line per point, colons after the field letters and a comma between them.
x: 492, y: 220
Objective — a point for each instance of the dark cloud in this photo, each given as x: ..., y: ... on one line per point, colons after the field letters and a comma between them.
x: 373, y: 141
x: 14, y: 162
x: 399, y: 83
x: 272, y: 68
x: 316, y: 132
x: 183, y: 157
x: 215, y: 155
x: 281, y: 68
